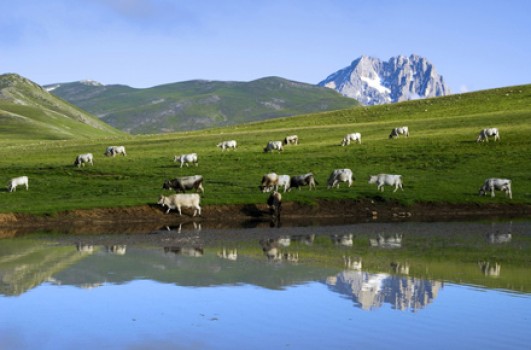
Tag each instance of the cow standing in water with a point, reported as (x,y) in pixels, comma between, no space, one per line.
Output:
(275,202)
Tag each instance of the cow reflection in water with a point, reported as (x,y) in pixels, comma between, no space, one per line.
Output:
(352,264)
(117,249)
(85,248)
(400,268)
(490,269)
(499,238)
(195,252)
(389,242)
(271,248)
(344,240)
(228,254)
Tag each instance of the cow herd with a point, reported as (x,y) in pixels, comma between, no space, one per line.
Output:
(272,181)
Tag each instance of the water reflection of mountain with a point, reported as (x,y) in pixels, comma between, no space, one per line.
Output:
(371,291)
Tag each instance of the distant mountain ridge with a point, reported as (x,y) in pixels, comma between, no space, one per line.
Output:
(27,111)
(198,104)
(372,81)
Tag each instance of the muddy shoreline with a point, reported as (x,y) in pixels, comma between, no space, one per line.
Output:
(149,218)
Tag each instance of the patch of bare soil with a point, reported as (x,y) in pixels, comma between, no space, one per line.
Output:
(150,218)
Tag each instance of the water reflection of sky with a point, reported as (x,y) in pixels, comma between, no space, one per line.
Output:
(361,286)
(145,315)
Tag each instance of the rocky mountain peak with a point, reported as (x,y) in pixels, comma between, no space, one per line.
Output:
(372,81)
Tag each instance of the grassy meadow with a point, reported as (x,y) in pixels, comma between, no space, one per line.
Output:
(440,161)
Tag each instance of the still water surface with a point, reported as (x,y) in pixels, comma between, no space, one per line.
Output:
(370,286)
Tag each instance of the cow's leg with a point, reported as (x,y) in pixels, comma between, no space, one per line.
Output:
(168,211)
(179,209)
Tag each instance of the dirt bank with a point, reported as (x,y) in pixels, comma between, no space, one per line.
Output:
(149,218)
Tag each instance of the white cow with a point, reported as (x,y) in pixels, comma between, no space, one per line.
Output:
(187,159)
(284,181)
(84,158)
(489,132)
(496,184)
(228,144)
(273,146)
(386,179)
(356,136)
(340,175)
(404,130)
(112,151)
(291,140)
(17,181)
(176,201)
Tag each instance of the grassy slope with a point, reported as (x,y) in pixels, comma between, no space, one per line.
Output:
(440,161)
(28,112)
(200,104)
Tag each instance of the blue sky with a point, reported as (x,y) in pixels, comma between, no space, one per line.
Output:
(475,45)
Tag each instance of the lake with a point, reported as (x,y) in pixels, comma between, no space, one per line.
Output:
(429,285)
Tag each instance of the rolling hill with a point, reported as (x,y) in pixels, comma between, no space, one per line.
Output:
(198,104)
(29,112)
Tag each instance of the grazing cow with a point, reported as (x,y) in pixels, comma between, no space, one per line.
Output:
(181,184)
(356,136)
(399,131)
(489,132)
(340,175)
(176,201)
(275,202)
(17,181)
(299,181)
(269,181)
(273,146)
(187,159)
(84,158)
(496,184)
(283,181)
(386,179)
(228,144)
(291,140)
(112,151)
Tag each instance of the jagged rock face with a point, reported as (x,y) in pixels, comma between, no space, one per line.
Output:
(372,81)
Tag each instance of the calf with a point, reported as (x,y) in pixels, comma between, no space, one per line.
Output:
(496,184)
(190,158)
(386,179)
(17,181)
(302,180)
(340,175)
(176,201)
(181,184)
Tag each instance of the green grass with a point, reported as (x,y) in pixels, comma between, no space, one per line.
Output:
(440,161)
